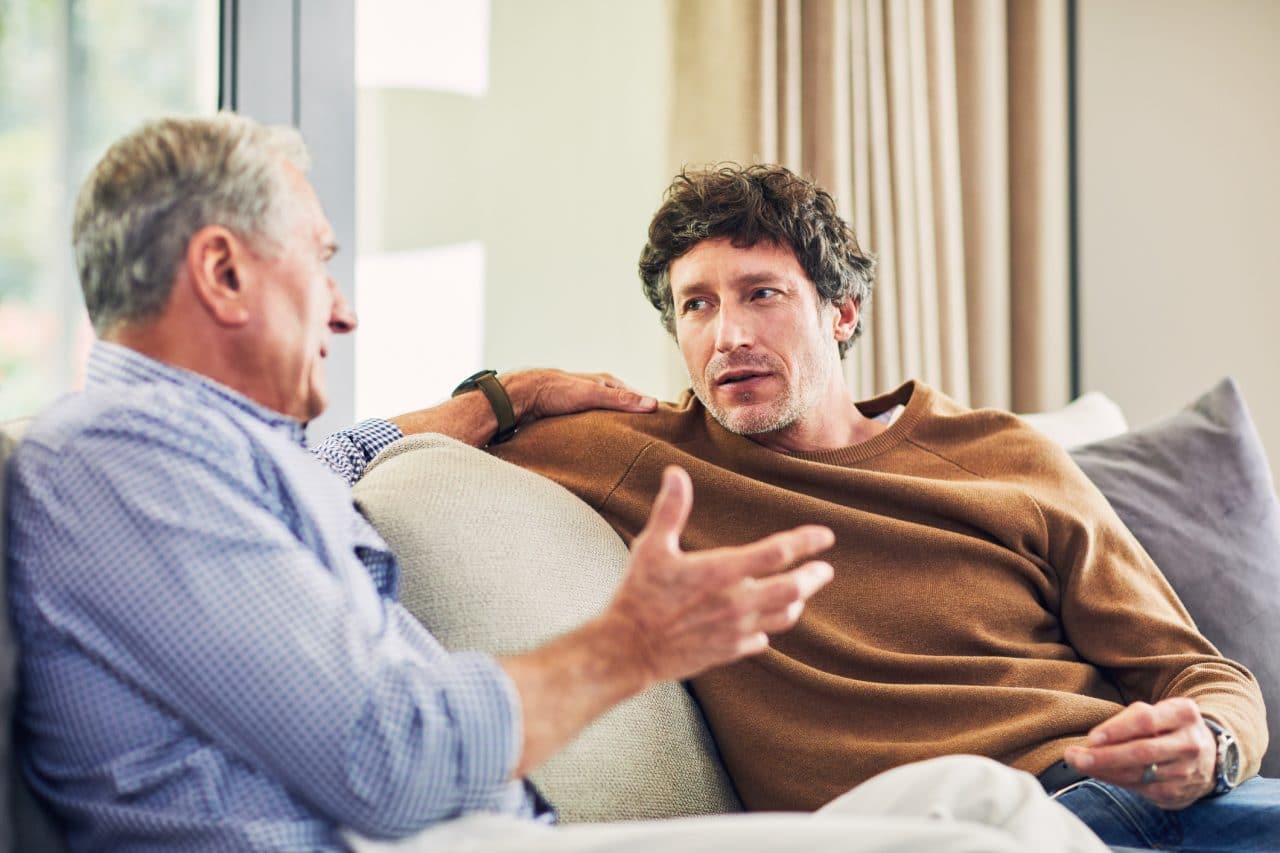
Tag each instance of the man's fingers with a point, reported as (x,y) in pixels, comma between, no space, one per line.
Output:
(773,553)
(626,400)
(770,605)
(777,621)
(556,392)
(1141,720)
(607,392)
(752,644)
(797,585)
(670,509)
(781,599)
(1172,766)
(1123,763)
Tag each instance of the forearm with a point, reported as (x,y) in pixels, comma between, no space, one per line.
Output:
(534,394)
(567,683)
(468,417)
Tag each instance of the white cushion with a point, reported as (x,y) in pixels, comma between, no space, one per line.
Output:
(1088,418)
(500,559)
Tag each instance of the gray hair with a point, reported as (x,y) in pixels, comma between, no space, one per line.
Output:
(155,188)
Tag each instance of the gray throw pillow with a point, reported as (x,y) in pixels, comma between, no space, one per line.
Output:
(500,559)
(1196,491)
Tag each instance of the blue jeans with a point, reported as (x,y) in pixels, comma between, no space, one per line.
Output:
(1246,819)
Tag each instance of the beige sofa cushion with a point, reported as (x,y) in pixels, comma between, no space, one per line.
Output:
(500,559)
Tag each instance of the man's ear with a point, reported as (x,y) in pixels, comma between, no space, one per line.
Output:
(846,317)
(217,262)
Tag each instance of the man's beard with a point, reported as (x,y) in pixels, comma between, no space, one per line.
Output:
(792,403)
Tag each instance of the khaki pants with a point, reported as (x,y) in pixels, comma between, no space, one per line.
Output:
(956,804)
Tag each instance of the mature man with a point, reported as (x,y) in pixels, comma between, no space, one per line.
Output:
(212,657)
(986,598)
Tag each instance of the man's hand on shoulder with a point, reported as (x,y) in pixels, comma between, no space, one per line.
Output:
(1164,751)
(534,394)
(544,393)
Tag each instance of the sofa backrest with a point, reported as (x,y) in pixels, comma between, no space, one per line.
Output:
(24,826)
(497,558)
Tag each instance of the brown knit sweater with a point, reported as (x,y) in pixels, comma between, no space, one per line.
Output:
(986,598)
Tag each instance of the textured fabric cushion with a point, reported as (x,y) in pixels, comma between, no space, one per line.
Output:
(500,559)
(1090,417)
(1196,491)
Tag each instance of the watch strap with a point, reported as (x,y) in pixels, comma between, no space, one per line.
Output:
(487,382)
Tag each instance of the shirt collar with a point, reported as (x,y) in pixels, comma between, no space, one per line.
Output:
(112,364)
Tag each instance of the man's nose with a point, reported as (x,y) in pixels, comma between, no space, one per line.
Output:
(342,318)
(732,330)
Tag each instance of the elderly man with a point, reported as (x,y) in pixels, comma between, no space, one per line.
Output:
(986,599)
(212,655)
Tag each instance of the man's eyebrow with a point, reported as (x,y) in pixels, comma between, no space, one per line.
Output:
(746,279)
(759,277)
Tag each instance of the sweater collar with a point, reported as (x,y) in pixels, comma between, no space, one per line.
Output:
(915,396)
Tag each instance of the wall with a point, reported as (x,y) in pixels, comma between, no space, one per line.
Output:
(557,170)
(1179,182)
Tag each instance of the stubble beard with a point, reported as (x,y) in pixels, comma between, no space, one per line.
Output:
(793,402)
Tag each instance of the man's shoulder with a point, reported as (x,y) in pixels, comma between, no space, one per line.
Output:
(592,450)
(670,422)
(156,415)
(986,441)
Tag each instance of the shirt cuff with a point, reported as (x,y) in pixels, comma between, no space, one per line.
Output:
(374,435)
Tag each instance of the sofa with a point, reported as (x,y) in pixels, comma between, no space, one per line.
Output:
(498,558)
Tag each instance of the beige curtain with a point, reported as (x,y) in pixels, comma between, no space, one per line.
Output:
(940,128)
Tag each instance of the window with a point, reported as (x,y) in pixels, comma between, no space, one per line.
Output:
(74,76)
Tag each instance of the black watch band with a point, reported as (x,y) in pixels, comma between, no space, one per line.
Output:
(487,382)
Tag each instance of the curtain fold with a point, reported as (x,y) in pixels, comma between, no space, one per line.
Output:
(940,128)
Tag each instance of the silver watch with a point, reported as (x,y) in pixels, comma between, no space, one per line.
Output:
(1227,769)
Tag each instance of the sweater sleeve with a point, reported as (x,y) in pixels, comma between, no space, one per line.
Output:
(1120,613)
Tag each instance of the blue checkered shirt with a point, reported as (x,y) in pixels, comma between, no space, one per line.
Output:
(212,657)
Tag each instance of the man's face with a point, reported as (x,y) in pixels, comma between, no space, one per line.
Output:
(760,349)
(298,307)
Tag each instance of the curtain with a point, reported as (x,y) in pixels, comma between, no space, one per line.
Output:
(940,127)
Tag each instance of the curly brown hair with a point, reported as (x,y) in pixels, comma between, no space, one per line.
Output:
(750,204)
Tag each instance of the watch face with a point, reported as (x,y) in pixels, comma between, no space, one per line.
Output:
(1231,763)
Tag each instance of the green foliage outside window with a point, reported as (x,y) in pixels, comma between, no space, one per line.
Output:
(74,75)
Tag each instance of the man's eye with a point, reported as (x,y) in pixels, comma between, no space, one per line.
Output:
(763,293)
(693,305)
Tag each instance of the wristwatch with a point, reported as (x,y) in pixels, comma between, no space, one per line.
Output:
(487,382)
(1227,768)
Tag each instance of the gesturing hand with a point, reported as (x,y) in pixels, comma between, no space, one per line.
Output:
(1169,738)
(691,611)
